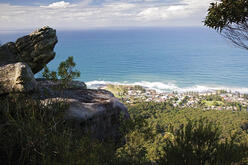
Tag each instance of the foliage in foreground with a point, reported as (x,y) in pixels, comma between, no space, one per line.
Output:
(156,134)
(35,134)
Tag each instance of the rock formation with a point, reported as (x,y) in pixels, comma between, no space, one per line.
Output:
(36,49)
(95,111)
(33,51)
(16,77)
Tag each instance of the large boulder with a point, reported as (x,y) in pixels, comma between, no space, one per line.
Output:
(96,112)
(36,49)
(16,77)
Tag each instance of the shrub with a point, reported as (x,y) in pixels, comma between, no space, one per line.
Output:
(199,143)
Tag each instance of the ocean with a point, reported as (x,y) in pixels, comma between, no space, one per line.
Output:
(165,59)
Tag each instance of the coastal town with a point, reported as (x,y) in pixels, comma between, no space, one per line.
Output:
(209,100)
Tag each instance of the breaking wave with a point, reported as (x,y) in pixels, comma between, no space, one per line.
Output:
(168,87)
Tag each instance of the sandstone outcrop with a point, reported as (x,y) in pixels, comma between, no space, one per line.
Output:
(36,49)
(97,112)
(16,77)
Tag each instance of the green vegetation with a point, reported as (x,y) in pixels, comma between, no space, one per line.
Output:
(117,90)
(157,133)
(162,134)
(213,103)
(49,75)
(230,18)
(32,133)
(121,90)
(66,72)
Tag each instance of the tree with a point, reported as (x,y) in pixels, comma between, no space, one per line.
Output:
(66,72)
(230,18)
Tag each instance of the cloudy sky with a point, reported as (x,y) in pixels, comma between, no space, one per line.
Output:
(87,14)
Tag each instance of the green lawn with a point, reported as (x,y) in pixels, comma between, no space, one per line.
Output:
(213,103)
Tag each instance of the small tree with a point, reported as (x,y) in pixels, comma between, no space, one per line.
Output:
(66,72)
(230,18)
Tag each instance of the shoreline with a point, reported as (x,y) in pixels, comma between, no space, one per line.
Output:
(208,100)
(161,87)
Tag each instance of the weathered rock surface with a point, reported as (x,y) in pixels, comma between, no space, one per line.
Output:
(16,77)
(9,54)
(36,49)
(57,84)
(94,111)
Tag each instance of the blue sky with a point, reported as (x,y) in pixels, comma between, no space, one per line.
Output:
(89,14)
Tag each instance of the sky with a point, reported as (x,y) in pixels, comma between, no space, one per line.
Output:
(90,14)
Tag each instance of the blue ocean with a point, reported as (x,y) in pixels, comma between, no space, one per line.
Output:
(166,59)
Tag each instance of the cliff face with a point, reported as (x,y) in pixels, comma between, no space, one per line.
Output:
(93,111)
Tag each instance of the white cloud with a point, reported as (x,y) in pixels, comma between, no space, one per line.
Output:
(57,5)
(120,13)
(185,9)
(120,6)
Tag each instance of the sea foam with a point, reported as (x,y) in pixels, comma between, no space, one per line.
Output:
(168,87)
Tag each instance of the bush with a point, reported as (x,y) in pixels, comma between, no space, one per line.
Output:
(199,143)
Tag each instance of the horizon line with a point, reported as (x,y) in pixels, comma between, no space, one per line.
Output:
(99,28)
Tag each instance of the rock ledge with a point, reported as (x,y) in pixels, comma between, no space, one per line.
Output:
(94,111)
